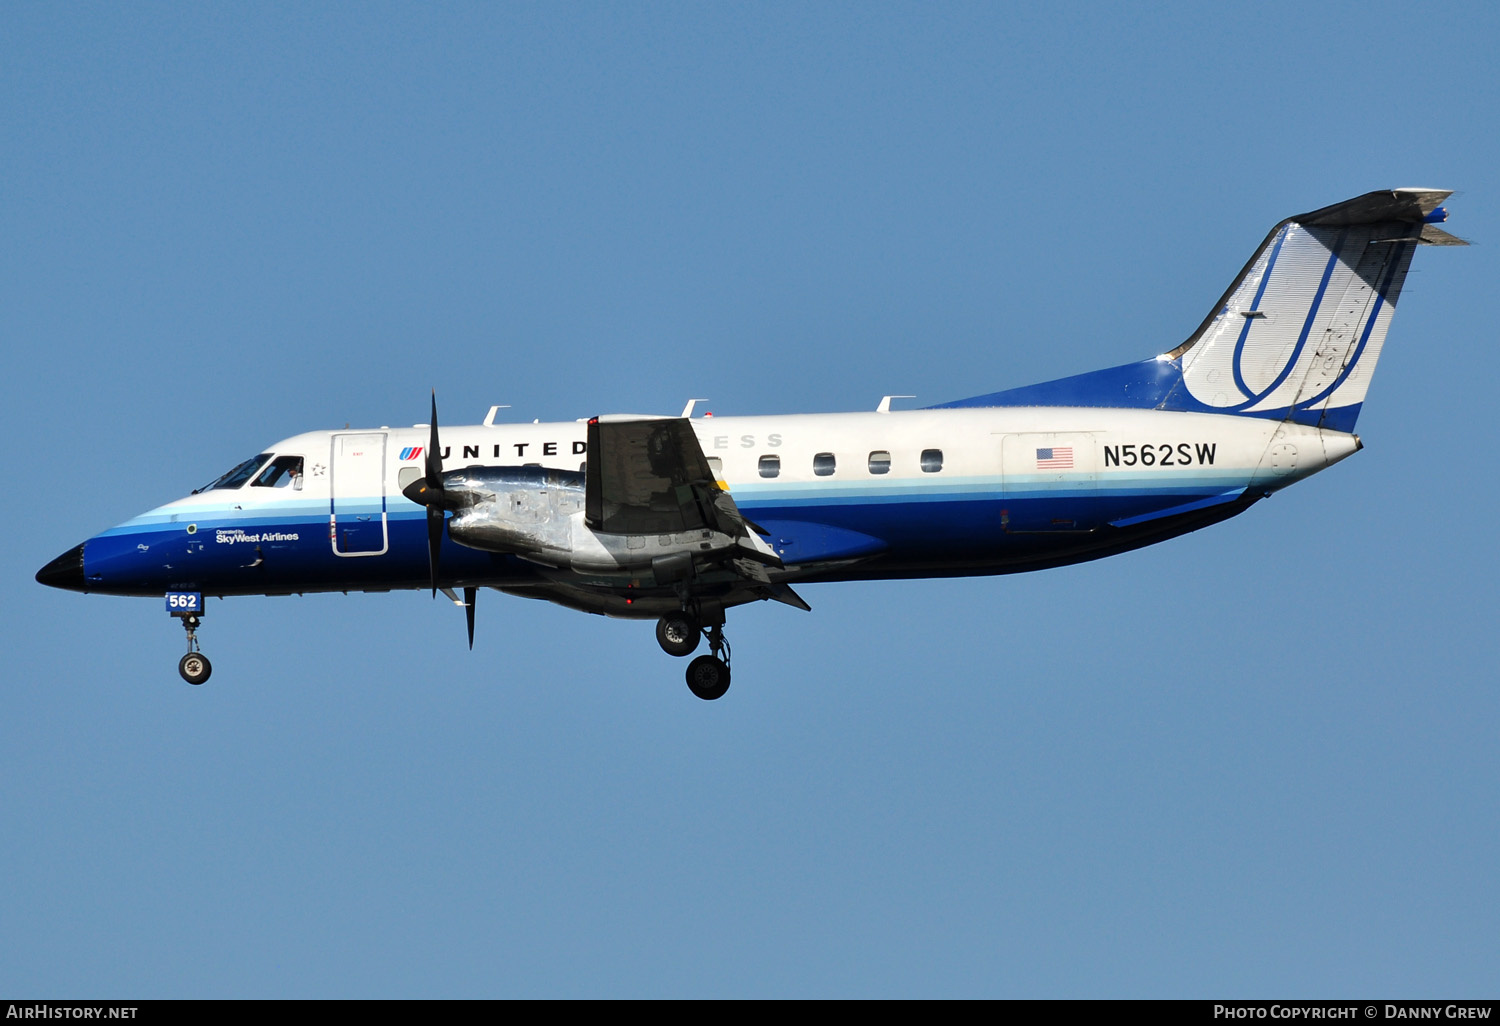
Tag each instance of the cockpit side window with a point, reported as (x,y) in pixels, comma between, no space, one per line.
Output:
(239,475)
(284,472)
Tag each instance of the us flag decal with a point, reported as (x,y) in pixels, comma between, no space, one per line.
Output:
(1059,457)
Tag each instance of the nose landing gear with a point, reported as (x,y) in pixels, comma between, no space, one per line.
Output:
(194,666)
(186,606)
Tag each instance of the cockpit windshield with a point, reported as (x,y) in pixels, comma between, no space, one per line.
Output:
(239,475)
(284,471)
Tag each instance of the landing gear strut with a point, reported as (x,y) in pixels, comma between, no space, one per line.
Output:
(708,675)
(194,666)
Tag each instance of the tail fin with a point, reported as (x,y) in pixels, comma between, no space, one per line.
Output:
(1296,336)
(1299,332)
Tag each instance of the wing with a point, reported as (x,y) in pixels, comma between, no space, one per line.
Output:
(650,477)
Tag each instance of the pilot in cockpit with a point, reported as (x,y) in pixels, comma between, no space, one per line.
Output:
(282,472)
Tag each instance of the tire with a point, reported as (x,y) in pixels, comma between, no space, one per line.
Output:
(708,677)
(678,634)
(195,667)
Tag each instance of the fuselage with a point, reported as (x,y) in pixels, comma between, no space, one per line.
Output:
(938,492)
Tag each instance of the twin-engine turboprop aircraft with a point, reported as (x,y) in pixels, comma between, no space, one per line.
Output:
(679,519)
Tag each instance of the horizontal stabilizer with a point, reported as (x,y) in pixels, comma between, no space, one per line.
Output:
(1414,206)
(1432,235)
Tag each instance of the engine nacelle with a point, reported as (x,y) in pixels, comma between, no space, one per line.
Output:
(527,511)
(538,514)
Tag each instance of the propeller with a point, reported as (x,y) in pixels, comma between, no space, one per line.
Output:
(428,491)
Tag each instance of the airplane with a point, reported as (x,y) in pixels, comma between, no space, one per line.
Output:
(680,519)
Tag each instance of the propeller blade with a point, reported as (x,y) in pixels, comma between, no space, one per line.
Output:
(434,466)
(470,594)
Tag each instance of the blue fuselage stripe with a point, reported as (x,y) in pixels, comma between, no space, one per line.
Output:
(276,549)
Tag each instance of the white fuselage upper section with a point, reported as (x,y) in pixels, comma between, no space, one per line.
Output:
(812,457)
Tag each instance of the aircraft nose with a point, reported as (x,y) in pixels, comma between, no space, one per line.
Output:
(66,571)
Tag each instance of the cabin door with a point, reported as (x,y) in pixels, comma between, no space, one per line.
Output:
(356,517)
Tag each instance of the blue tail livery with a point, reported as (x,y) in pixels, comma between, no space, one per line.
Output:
(1298,333)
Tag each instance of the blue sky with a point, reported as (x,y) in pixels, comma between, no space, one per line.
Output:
(1256,761)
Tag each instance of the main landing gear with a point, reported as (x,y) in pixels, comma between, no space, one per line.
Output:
(678,634)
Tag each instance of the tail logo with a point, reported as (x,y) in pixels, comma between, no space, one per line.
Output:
(1295,332)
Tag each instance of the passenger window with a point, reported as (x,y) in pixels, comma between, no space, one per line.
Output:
(880,462)
(770,466)
(823,464)
(717,466)
(284,471)
(932,461)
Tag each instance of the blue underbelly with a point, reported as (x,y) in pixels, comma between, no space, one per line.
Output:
(248,554)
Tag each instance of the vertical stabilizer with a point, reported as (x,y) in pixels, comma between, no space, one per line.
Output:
(1297,335)
(1300,331)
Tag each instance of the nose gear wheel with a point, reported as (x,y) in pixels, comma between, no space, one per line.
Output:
(195,667)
